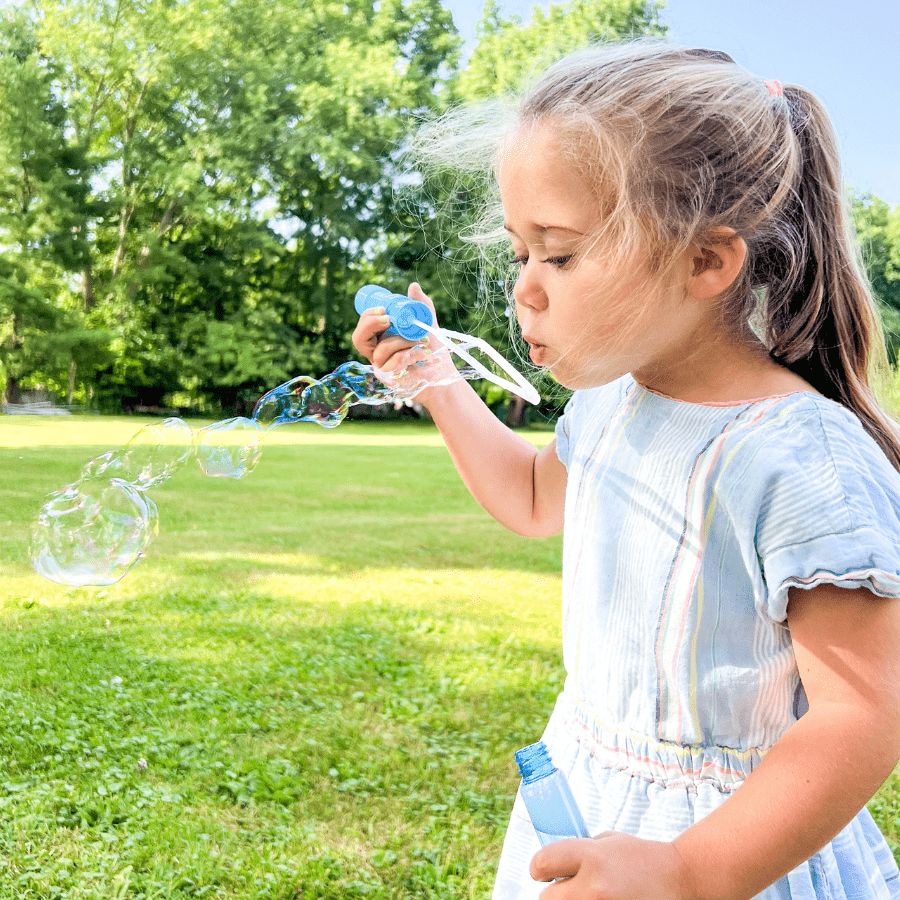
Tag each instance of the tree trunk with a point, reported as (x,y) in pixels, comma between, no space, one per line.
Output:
(515,412)
(72,370)
(87,288)
(13,391)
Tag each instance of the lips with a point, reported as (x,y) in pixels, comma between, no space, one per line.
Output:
(536,352)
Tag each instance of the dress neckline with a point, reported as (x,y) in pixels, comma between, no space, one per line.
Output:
(720,404)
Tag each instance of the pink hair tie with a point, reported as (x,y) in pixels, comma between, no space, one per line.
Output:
(774,88)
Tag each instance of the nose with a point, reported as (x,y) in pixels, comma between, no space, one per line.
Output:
(527,290)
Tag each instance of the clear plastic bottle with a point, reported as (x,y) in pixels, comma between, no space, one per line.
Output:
(548,797)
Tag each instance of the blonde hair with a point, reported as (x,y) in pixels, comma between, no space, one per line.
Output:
(680,144)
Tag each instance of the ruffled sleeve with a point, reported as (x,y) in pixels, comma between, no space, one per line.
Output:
(828,510)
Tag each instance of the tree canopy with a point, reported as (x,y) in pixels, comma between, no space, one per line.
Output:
(191,191)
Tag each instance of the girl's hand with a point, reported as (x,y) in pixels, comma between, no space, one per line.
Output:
(612,866)
(389,353)
(406,367)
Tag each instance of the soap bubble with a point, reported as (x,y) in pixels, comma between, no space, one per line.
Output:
(92,532)
(154,454)
(231,448)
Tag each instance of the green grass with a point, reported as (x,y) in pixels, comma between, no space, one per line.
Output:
(325,666)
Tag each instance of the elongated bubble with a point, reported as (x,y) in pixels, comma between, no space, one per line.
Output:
(231,448)
(154,454)
(325,402)
(93,531)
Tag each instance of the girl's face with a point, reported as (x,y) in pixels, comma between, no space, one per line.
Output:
(586,324)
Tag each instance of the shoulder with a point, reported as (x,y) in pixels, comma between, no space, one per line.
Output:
(807,437)
(587,413)
(818,499)
(804,466)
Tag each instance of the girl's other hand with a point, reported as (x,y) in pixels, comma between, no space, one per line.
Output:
(612,866)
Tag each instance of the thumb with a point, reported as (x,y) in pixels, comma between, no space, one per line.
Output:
(415,292)
(561,859)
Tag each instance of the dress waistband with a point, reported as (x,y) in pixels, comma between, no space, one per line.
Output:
(665,763)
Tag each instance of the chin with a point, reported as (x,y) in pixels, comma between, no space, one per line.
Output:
(582,381)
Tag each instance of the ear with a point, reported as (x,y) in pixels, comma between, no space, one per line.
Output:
(715,264)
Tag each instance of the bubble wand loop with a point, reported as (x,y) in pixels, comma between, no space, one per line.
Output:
(460,345)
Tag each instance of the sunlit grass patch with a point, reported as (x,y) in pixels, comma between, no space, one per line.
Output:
(311,687)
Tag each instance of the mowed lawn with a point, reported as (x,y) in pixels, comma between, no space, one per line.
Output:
(312,687)
(326,667)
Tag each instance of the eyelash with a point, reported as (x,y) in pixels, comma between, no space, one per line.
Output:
(559,261)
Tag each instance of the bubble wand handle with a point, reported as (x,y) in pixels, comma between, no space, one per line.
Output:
(406,315)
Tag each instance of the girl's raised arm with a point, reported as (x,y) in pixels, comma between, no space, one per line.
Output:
(522,487)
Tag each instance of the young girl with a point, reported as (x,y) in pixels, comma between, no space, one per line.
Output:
(727,484)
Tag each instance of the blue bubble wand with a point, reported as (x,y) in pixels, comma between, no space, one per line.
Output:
(413,320)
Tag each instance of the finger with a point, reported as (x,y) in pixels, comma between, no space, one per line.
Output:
(372,323)
(561,859)
(415,292)
(394,352)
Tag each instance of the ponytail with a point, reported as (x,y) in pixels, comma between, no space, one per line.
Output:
(820,318)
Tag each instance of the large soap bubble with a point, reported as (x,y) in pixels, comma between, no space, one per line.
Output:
(92,532)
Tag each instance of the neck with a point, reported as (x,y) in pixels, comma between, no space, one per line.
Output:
(729,371)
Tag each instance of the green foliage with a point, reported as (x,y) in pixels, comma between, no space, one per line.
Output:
(509,51)
(242,159)
(878,229)
(193,190)
(43,219)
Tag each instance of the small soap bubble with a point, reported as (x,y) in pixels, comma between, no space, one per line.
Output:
(231,448)
(92,532)
(283,403)
(364,383)
(326,402)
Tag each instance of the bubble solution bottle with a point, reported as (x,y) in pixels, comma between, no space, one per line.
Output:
(548,797)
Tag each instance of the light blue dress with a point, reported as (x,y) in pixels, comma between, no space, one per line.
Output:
(685,526)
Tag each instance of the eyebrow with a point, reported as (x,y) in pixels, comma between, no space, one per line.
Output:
(544,228)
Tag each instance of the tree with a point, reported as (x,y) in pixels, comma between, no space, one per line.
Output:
(241,140)
(509,51)
(43,216)
(878,230)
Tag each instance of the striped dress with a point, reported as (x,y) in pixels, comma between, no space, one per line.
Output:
(685,526)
